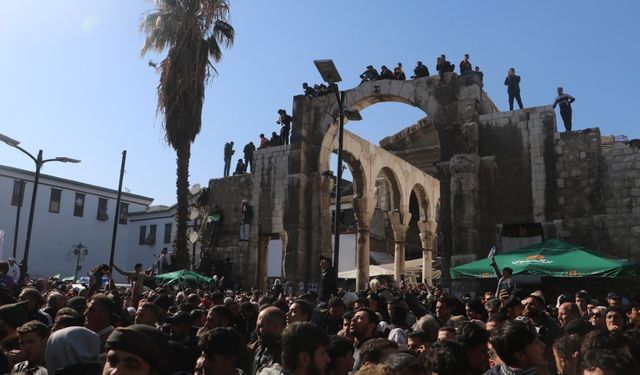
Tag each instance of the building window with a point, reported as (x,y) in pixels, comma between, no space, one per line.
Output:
(102,209)
(167,232)
(124,213)
(54,202)
(78,205)
(151,238)
(143,235)
(18,193)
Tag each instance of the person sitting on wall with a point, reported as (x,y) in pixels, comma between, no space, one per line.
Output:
(420,70)
(385,73)
(398,73)
(275,140)
(309,91)
(241,168)
(443,66)
(371,74)
(264,142)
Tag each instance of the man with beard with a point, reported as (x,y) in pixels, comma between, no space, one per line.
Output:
(545,326)
(269,326)
(33,337)
(222,352)
(304,349)
(363,327)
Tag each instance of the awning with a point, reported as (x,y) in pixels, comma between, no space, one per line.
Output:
(551,258)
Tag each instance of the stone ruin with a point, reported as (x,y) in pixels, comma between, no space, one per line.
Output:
(463,179)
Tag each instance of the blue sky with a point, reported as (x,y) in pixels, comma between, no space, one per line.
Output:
(73,83)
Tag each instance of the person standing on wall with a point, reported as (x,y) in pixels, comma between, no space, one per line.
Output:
(285,126)
(228,153)
(564,100)
(245,220)
(248,150)
(513,88)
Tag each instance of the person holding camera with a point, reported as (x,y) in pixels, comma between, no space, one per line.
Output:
(513,88)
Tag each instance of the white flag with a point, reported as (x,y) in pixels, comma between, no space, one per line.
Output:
(492,252)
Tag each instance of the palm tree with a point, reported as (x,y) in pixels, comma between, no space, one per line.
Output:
(193,31)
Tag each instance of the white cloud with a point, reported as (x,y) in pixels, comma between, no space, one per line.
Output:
(89,23)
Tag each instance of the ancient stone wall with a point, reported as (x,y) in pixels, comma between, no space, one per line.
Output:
(599,193)
(265,190)
(228,193)
(522,144)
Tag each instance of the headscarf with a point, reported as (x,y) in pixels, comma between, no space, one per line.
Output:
(72,346)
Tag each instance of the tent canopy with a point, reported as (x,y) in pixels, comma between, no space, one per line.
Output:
(185,277)
(373,271)
(413,266)
(551,258)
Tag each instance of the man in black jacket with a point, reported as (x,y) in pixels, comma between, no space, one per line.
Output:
(565,101)
(266,351)
(328,286)
(513,88)
(248,150)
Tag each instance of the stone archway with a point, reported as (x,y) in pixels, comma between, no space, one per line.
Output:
(452,104)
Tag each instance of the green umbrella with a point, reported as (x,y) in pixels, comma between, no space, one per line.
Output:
(184,277)
(551,258)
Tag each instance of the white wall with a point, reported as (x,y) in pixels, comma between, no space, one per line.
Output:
(55,234)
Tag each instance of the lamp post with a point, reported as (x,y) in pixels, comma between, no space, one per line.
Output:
(39,162)
(79,250)
(330,75)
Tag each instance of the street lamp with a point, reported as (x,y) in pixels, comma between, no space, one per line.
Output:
(39,162)
(79,250)
(331,76)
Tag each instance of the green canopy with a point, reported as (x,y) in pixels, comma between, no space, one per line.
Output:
(182,277)
(551,258)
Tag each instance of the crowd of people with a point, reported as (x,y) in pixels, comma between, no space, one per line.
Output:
(49,326)
(512,81)
(442,66)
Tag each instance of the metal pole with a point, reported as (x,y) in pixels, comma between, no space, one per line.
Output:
(77,251)
(25,259)
(336,246)
(116,220)
(20,201)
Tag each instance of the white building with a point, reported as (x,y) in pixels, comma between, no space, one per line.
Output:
(68,213)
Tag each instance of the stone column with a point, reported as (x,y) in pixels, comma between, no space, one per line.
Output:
(427,239)
(362,256)
(362,218)
(263,258)
(465,204)
(399,228)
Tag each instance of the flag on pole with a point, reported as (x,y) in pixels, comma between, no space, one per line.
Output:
(492,252)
